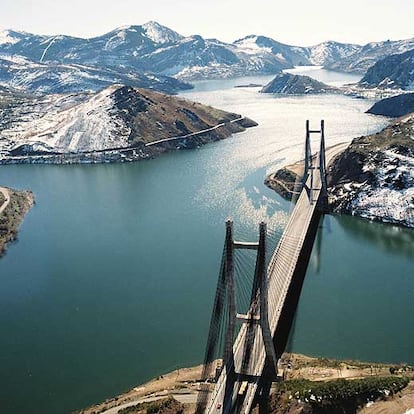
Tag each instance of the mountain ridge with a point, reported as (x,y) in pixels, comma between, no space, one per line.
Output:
(152,47)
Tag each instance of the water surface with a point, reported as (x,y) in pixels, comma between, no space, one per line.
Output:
(112,279)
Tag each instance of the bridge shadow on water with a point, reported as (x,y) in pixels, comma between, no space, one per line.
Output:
(356,301)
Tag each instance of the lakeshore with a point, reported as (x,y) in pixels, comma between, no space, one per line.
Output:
(182,385)
(89,257)
(371,178)
(13,207)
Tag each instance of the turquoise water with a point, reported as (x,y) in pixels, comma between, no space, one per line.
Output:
(112,279)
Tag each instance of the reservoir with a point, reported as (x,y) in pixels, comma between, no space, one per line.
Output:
(112,279)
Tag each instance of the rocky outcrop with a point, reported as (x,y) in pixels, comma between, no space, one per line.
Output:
(284,181)
(374,177)
(392,72)
(395,106)
(286,83)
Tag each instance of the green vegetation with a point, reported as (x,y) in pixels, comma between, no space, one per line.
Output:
(337,396)
(12,216)
(165,406)
(337,363)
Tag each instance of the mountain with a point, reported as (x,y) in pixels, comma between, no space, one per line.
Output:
(368,55)
(327,53)
(25,75)
(395,106)
(152,48)
(289,84)
(265,46)
(109,125)
(118,47)
(395,72)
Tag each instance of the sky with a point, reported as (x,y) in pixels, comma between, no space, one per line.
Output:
(295,22)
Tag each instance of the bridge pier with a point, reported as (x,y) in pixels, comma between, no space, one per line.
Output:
(311,164)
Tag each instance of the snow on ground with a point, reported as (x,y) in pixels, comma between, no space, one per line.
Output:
(7,38)
(160,34)
(249,46)
(70,125)
(392,199)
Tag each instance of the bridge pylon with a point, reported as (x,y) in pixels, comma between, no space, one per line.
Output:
(316,162)
(224,319)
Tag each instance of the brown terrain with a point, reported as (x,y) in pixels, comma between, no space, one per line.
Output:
(13,207)
(154,116)
(182,385)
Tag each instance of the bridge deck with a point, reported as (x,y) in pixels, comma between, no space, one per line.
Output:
(280,272)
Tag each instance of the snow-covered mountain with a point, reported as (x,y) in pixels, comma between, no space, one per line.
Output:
(25,75)
(368,55)
(153,48)
(268,48)
(327,53)
(392,72)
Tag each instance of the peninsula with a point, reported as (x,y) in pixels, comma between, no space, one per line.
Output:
(117,124)
(13,207)
(373,178)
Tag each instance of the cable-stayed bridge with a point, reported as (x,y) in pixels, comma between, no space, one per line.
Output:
(243,348)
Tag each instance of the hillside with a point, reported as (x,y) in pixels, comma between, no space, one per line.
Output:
(395,106)
(395,71)
(288,84)
(374,177)
(118,123)
(25,75)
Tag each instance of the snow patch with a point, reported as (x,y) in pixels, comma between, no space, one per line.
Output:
(392,198)
(249,46)
(160,34)
(7,39)
(72,123)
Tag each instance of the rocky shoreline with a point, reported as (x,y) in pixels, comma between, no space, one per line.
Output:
(18,204)
(137,152)
(373,178)
(182,386)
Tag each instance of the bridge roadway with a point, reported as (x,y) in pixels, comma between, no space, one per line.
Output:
(280,272)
